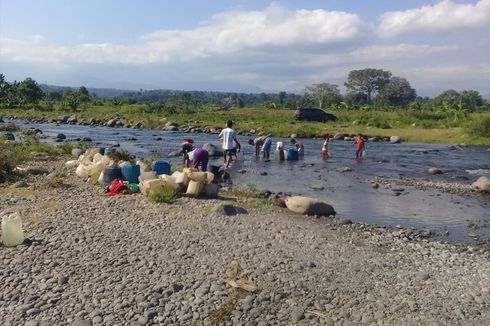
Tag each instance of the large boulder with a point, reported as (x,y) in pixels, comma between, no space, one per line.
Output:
(170,128)
(395,140)
(309,206)
(76,152)
(111,123)
(482,184)
(212,150)
(339,136)
(72,119)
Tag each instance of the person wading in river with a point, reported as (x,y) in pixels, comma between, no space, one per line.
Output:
(227,136)
(359,145)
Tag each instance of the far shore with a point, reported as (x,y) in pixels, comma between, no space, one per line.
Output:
(252,122)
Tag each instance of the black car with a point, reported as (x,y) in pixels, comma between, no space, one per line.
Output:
(312,114)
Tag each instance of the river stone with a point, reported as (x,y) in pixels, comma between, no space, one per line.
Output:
(297,314)
(309,206)
(228,210)
(20,184)
(60,136)
(344,169)
(170,128)
(111,123)
(434,171)
(210,148)
(339,136)
(37,170)
(8,136)
(76,152)
(72,119)
(482,184)
(395,140)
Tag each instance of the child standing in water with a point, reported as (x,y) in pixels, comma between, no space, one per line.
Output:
(359,145)
(325,148)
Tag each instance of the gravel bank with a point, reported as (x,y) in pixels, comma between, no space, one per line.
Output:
(121,260)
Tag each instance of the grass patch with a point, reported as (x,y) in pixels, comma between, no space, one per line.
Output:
(246,191)
(164,195)
(260,204)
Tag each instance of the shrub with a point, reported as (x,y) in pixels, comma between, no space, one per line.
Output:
(9,159)
(480,127)
(164,195)
(12,127)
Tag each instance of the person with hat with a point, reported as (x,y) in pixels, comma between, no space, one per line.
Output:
(227,136)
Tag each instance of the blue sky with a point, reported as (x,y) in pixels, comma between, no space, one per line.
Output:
(248,46)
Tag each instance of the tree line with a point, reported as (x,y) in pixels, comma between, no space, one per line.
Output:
(366,89)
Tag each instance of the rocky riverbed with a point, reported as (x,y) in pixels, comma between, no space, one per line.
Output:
(97,260)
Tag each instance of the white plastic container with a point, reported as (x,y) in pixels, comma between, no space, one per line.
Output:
(12,232)
(147,176)
(151,185)
(181,179)
(82,171)
(206,177)
(194,188)
(97,158)
(169,180)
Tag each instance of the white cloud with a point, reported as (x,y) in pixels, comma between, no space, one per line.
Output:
(225,33)
(443,16)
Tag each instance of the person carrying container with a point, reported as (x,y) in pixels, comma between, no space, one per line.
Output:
(325,148)
(227,136)
(359,145)
(300,148)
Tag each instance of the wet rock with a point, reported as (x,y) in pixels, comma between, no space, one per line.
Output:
(482,184)
(8,136)
(339,136)
(343,169)
(60,136)
(395,140)
(309,206)
(375,185)
(111,123)
(317,187)
(170,128)
(434,171)
(279,201)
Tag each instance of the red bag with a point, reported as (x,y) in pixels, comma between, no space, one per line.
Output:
(116,186)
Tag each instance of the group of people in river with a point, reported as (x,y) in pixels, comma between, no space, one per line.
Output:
(199,157)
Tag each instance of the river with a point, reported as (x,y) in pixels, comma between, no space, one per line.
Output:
(452,217)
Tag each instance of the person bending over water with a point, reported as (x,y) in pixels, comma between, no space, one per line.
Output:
(300,148)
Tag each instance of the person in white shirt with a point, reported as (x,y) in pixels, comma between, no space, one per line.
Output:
(227,136)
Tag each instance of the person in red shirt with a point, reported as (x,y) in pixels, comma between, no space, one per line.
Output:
(359,145)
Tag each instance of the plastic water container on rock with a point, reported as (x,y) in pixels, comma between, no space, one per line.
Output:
(147,176)
(170,181)
(143,167)
(194,188)
(161,167)
(292,154)
(131,172)
(181,178)
(201,176)
(82,171)
(12,232)
(72,163)
(190,170)
(111,173)
(151,185)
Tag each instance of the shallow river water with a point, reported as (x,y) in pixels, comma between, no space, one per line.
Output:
(452,217)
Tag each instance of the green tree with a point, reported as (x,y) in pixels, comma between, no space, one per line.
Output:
(367,81)
(397,92)
(83,94)
(450,97)
(281,97)
(471,100)
(29,91)
(324,94)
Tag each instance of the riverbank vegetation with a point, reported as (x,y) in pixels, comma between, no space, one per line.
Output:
(377,104)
